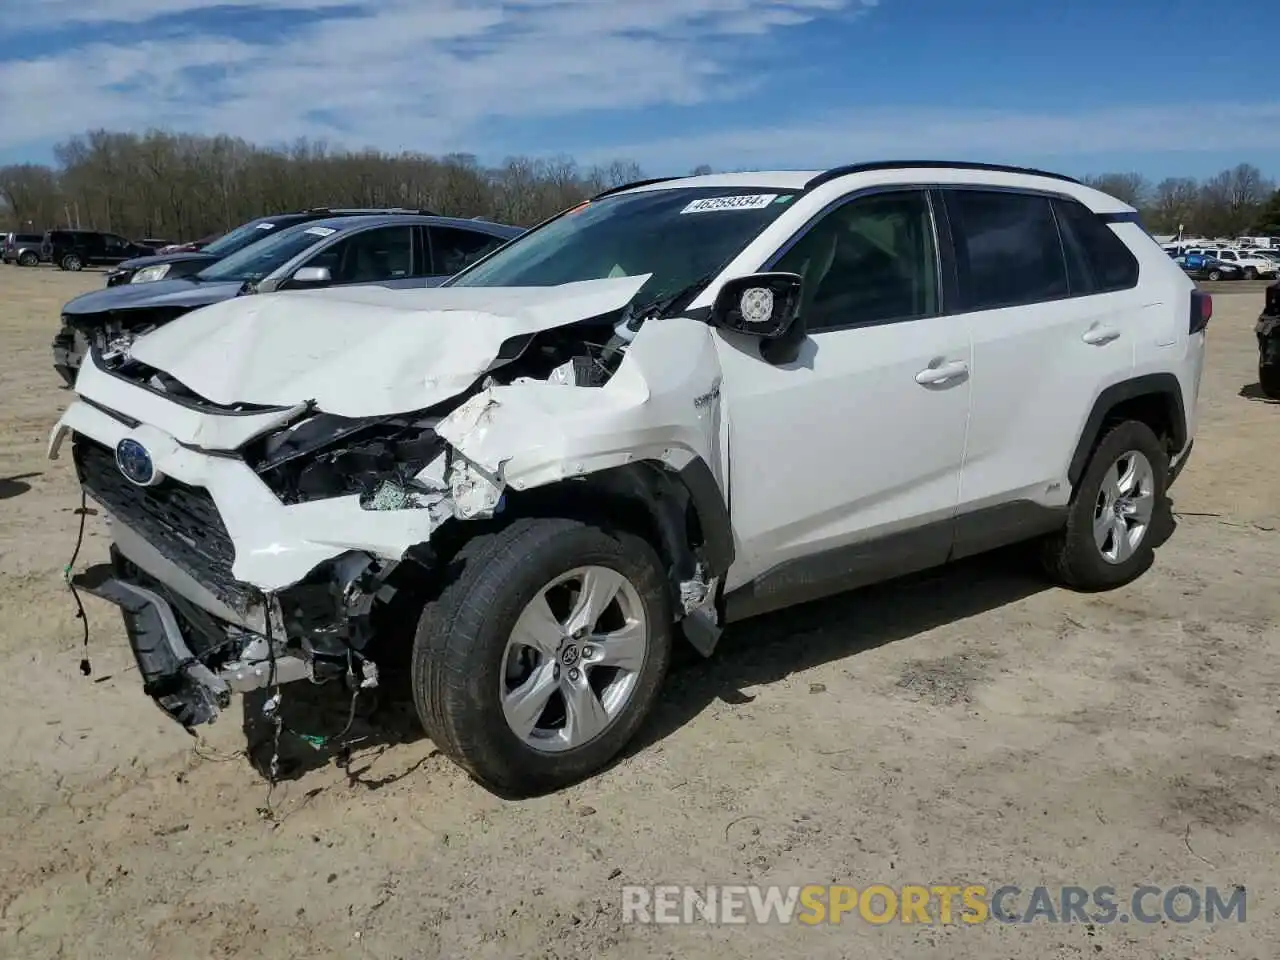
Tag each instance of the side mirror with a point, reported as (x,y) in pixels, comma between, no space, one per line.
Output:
(764,305)
(312,275)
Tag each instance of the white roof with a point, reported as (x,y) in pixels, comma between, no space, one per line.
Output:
(1095,200)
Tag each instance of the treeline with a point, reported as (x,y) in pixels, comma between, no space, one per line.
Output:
(1239,201)
(181,187)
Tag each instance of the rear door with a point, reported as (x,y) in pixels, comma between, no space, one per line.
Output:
(1044,336)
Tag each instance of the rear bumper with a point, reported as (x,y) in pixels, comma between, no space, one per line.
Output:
(1268,332)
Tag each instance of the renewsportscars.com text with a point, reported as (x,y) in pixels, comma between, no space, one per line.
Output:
(930,904)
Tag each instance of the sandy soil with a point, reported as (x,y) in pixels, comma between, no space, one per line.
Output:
(970,726)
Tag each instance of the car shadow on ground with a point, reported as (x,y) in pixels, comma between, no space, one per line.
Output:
(15,486)
(770,648)
(1253,391)
(759,651)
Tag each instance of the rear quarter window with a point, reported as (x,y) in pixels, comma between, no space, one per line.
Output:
(1109,263)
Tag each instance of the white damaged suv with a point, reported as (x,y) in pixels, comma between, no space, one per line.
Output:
(680,404)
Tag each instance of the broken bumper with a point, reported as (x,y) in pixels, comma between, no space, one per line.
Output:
(207,563)
(190,661)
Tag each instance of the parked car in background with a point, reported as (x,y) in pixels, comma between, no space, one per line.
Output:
(76,249)
(393,249)
(1268,332)
(1199,267)
(21,248)
(183,263)
(1251,265)
(190,247)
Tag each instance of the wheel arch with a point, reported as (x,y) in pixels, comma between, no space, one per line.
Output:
(682,513)
(1154,399)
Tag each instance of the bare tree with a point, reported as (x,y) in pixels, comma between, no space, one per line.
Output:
(1132,188)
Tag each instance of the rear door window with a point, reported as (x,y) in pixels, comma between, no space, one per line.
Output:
(1007,247)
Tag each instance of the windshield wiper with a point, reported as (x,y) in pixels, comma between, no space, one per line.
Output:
(667,303)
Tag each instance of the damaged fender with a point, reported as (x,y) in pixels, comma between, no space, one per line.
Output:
(662,406)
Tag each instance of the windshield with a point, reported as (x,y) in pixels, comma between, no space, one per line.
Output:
(257,260)
(680,236)
(241,237)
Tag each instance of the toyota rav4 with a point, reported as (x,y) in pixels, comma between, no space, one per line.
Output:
(680,404)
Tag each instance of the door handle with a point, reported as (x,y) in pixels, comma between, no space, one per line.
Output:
(1100,335)
(942,373)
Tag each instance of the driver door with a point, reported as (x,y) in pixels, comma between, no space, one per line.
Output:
(844,466)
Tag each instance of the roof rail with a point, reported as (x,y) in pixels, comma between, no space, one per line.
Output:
(632,185)
(844,171)
(356,211)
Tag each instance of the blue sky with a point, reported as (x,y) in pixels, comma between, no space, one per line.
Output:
(1166,87)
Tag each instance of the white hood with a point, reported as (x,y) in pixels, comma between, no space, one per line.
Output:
(363,351)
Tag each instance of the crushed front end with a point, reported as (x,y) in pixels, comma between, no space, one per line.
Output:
(203,622)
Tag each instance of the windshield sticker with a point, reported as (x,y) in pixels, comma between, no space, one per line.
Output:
(320,231)
(785,198)
(752,201)
(265,226)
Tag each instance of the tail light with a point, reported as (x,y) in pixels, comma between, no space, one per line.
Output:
(1201,310)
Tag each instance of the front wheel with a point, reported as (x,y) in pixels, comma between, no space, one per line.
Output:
(544,654)
(1250,273)
(1118,505)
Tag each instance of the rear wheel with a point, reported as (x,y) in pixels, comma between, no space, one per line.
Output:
(1215,274)
(71,262)
(1269,379)
(28,259)
(1109,540)
(543,655)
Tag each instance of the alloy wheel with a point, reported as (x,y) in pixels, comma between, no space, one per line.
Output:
(573,660)
(1125,504)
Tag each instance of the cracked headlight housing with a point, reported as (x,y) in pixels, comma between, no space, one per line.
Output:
(327,456)
(151,274)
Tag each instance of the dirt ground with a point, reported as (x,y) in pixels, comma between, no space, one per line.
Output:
(970,726)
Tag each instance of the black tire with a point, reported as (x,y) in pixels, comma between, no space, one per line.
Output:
(462,637)
(28,259)
(1071,557)
(1269,379)
(71,262)
(1250,273)
(1215,274)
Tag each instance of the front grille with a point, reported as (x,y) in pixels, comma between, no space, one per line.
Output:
(181,522)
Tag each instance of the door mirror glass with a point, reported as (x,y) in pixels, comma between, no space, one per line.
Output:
(763,304)
(312,275)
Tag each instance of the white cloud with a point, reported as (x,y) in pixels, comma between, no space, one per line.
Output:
(441,75)
(419,74)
